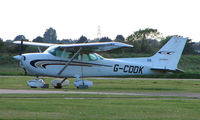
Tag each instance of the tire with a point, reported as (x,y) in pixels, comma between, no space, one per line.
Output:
(59,86)
(33,87)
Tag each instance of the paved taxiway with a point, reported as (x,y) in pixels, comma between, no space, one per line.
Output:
(189,95)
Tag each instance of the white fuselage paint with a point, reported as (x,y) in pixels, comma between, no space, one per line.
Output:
(45,64)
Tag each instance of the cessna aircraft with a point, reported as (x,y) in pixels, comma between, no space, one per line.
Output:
(80,60)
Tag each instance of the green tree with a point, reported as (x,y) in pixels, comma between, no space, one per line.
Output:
(20,37)
(2,45)
(119,38)
(50,36)
(165,40)
(143,38)
(38,39)
(82,39)
(189,49)
(12,48)
(105,39)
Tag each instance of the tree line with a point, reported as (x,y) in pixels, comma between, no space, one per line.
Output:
(146,41)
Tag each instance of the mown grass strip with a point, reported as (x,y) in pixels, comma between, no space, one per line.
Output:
(98,109)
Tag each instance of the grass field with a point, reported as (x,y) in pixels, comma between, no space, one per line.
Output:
(112,85)
(98,109)
(103,107)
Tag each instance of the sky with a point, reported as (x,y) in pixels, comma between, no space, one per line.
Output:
(74,18)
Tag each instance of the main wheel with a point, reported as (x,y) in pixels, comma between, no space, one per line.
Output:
(33,87)
(59,86)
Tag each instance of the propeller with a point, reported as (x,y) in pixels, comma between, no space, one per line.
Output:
(21,46)
(20,57)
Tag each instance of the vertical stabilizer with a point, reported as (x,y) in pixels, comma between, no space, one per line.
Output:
(169,55)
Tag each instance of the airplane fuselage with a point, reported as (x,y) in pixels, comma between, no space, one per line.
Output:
(45,64)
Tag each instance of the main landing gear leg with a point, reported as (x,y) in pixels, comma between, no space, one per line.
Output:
(59,85)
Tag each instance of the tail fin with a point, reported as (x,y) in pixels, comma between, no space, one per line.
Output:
(168,56)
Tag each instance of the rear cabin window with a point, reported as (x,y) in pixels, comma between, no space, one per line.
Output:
(60,52)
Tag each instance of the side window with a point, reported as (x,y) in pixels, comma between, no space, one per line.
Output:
(66,54)
(70,55)
(59,52)
(93,57)
(85,57)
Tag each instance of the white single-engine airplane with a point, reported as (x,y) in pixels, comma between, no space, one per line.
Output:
(80,60)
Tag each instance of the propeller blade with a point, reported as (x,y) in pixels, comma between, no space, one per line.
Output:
(21,47)
(20,57)
(25,73)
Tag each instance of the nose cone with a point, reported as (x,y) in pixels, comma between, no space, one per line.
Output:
(17,57)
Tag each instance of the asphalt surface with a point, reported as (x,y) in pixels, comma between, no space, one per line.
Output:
(189,95)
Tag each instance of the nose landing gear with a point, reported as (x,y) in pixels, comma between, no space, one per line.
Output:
(37,83)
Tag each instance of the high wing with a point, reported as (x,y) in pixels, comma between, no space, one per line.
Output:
(102,46)
(35,44)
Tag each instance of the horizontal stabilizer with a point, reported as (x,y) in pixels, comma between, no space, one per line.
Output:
(168,70)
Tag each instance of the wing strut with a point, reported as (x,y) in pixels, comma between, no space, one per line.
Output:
(75,55)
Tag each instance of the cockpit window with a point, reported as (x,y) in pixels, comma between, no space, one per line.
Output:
(60,52)
(55,51)
(99,56)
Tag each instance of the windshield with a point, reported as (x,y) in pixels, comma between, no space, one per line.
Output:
(61,52)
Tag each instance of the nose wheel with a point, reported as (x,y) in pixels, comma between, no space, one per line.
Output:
(37,83)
